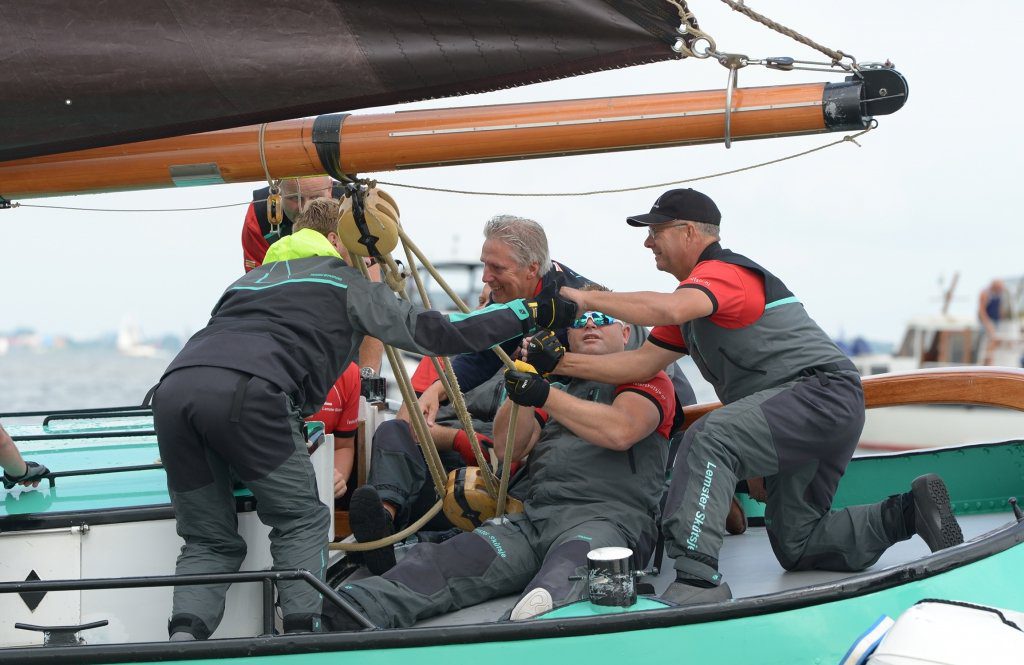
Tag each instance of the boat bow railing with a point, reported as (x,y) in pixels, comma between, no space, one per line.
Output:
(982,386)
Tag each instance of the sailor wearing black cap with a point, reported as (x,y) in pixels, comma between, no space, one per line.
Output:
(793,413)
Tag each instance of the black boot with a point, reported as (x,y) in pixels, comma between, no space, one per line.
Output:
(370,521)
(933,514)
(695,592)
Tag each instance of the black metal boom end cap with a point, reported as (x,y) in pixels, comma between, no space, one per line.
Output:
(884,91)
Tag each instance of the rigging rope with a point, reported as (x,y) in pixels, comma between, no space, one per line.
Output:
(740,7)
(849,138)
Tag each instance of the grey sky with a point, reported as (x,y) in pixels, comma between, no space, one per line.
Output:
(861,235)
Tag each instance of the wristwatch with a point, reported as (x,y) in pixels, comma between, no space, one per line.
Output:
(367,373)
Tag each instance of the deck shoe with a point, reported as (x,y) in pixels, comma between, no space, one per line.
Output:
(181,625)
(370,521)
(681,593)
(536,601)
(933,514)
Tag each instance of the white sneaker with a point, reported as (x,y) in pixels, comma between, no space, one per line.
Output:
(537,601)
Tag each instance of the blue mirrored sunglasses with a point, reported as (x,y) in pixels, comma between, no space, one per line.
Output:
(600,320)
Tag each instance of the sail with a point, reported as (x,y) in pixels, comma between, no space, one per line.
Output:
(84,75)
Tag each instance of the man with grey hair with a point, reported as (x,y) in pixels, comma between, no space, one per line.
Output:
(517,264)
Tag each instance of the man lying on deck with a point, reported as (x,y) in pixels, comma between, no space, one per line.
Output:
(594,479)
(793,413)
(234,397)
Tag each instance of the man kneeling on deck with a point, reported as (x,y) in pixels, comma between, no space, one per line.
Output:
(594,479)
(233,398)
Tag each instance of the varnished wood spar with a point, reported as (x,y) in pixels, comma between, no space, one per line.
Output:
(382,142)
(450,136)
(984,386)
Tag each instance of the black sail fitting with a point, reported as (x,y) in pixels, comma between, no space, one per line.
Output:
(852,104)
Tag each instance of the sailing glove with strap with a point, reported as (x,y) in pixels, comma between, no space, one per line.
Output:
(33,474)
(544,351)
(552,313)
(525,386)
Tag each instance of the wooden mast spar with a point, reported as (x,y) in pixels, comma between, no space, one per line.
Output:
(343,143)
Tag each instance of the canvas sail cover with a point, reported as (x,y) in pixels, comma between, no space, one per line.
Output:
(78,75)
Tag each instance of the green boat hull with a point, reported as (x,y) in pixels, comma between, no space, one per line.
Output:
(808,624)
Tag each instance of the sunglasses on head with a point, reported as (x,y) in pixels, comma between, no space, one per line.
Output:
(600,319)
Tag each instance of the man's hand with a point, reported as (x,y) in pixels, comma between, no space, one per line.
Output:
(526,388)
(33,474)
(544,351)
(576,296)
(340,484)
(553,313)
(429,402)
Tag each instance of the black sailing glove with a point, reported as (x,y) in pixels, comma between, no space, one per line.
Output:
(526,388)
(552,313)
(544,350)
(33,472)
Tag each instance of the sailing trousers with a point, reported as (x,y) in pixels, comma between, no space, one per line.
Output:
(211,421)
(518,555)
(800,436)
(399,474)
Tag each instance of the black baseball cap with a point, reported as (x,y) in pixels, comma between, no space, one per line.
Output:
(685,204)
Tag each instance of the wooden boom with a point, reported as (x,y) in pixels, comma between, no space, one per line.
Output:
(343,143)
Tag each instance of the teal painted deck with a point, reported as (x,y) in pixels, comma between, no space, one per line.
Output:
(93,492)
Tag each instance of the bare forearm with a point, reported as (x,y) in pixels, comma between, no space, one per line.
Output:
(645,308)
(10,458)
(526,430)
(599,424)
(371,353)
(344,455)
(617,368)
(444,437)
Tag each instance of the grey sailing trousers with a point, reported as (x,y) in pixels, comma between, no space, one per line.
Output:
(494,560)
(211,421)
(800,436)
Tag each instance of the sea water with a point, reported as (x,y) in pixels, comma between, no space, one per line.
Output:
(82,379)
(72,379)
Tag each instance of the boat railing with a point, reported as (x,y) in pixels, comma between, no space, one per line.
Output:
(91,414)
(53,475)
(266,577)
